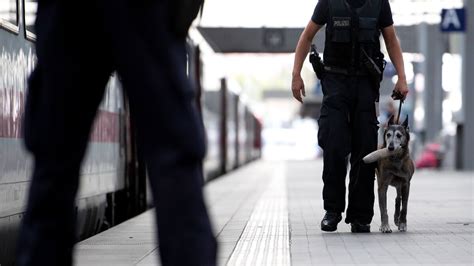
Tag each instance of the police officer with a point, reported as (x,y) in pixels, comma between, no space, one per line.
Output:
(79,44)
(348,121)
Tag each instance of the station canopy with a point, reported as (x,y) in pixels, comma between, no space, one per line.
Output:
(284,40)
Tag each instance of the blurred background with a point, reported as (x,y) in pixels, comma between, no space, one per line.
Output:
(252,48)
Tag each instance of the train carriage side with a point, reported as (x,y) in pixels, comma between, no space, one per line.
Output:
(16,62)
(249,129)
(257,138)
(211,113)
(243,134)
(231,136)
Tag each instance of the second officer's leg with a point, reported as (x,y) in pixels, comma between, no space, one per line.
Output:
(334,139)
(364,141)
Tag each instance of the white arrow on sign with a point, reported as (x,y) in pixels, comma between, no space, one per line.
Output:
(451,17)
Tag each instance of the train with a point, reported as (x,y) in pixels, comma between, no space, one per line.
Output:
(113,179)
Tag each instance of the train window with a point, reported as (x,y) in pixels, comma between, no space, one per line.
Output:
(30,16)
(9,15)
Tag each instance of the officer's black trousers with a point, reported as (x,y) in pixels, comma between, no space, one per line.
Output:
(79,44)
(348,132)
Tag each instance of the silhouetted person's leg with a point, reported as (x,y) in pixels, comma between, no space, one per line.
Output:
(63,95)
(151,63)
(73,68)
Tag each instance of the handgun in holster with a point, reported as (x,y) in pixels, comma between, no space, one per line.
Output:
(375,69)
(316,62)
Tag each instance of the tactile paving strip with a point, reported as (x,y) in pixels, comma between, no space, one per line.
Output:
(265,240)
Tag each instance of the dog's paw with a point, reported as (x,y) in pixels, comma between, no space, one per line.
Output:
(402,227)
(396,219)
(385,228)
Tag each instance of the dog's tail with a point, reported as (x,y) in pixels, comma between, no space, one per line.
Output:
(379,155)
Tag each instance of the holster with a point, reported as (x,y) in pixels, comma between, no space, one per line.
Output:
(316,62)
(375,67)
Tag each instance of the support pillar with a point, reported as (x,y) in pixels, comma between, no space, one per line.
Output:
(468,90)
(432,46)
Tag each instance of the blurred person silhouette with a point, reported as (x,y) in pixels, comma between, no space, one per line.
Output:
(350,78)
(79,44)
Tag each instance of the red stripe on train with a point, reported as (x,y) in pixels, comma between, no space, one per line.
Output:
(106,127)
(106,124)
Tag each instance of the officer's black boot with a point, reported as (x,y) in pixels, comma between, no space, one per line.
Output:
(330,221)
(357,227)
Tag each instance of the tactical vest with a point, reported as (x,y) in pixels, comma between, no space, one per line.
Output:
(349,30)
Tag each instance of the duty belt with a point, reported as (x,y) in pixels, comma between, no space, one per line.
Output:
(345,71)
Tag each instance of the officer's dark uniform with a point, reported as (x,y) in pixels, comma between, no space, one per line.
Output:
(79,44)
(348,122)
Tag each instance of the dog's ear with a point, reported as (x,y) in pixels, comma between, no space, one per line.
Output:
(405,123)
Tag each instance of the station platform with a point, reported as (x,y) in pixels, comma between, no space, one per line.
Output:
(268,213)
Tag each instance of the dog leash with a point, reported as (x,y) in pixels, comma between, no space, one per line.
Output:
(397,94)
(399,111)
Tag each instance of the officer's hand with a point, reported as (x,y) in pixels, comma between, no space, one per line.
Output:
(297,87)
(401,90)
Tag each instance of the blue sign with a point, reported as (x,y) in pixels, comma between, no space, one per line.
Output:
(453,20)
